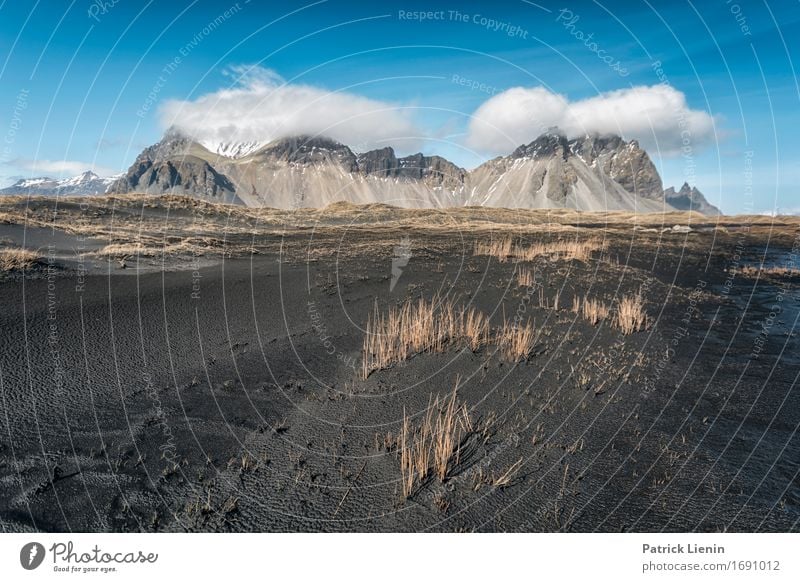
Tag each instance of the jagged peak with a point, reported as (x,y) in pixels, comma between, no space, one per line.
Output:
(547,144)
(303,141)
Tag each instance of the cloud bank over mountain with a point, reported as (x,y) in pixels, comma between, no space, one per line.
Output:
(260,107)
(657,116)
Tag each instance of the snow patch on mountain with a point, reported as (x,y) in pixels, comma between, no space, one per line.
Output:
(233,149)
(84,184)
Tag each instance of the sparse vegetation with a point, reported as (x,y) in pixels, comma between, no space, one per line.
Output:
(505,249)
(526,278)
(774,270)
(433,448)
(506,478)
(418,327)
(191,245)
(592,310)
(500,249)
(631,316)
(431,326)
(515,341)
(128,250)
(16,259)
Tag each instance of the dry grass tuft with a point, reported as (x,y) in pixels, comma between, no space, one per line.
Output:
(431,327)
(526,278)
(505,249)
(128,250)
(515,341)
(506,478)
(565,249)
(593,310)
(500,249)
(476,329)
(420,327)
(13,259)
(631,316)
(433,448)
(775,271)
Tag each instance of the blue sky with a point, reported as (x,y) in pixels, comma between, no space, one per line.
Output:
(88,84)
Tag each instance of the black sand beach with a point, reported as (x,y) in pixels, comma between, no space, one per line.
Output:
(222,390)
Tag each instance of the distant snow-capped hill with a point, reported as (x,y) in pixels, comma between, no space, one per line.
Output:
(84,184)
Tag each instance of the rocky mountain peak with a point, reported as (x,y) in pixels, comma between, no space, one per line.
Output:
(309,150)
(433,170)
(381,162)
(623,161)
(690,198)
(552,143)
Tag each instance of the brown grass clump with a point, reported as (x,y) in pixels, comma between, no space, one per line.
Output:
(567,249)
(476,329)
(423,326)
(13,259)
(433,448)
(420,327)
(776,271)
(631,316)
(592,310)
(128,250)
(526,278)
(515,341)
(500,249)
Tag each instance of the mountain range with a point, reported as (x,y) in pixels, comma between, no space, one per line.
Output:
(84,184)
(690,198)
(590,173)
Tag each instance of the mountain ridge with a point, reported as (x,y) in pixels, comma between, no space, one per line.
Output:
(84,184)
(588,173)
(690,198)
(591,172)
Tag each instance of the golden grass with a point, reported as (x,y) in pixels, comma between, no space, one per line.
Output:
(190,245)
(500,249)
(526,278)
(432,326)
(433,448)
(592,310)
(515,341)
(566,249)
(419,327)
(776,271)
(476,329)
(545,303)
(631,316)
(505,249)
(13,259)
(128,250)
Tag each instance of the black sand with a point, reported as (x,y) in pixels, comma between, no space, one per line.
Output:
(130,398)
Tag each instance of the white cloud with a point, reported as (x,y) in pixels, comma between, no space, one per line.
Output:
(260,107)
(658,116)
(58,168)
